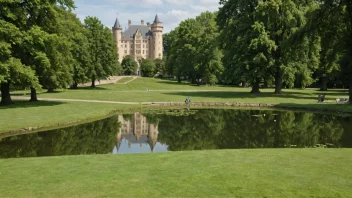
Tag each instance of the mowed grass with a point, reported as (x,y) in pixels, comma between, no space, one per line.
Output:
(124,80)
(157,90)
(50,114)
(222,173)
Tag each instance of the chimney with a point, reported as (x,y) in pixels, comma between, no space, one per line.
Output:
(129,23)
(142,22)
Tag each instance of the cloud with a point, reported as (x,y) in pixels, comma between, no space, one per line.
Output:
(171,12)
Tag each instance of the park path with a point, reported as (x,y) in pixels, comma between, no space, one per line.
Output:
(110,80)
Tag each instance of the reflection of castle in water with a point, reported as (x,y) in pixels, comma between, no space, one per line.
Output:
(137,131)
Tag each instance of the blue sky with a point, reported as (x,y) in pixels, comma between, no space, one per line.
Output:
(171,12)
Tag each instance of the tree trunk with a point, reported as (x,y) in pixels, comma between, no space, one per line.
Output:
(324,83)
(75,85)
(350,92)
(278,83)
(179,78)
(255,88)
(33,95)
(93,83)
(265,84)
(5,94)
(50,90)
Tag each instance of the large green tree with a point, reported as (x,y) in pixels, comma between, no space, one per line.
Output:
(193,51)
(333,20)
(148,68)
(129,65)
(32,22)
(265,36)
(103,51)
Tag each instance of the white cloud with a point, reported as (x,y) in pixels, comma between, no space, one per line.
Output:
(171,12)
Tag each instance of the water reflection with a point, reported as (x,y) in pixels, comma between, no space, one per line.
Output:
(136,135)
(186,130)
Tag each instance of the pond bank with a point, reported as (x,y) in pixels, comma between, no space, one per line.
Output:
(298,107)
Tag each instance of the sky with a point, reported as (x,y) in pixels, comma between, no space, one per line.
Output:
(170,12)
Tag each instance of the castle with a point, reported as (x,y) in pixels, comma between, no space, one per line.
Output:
(140,41)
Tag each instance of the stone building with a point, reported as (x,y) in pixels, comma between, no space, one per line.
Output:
(140,41)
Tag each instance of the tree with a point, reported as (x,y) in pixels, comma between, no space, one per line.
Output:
(193,51)
(160,66)
(71,27)
(247,57)
(103,51)
(339,14)
(24,19)
(148,68)
(265,44)
(129,65)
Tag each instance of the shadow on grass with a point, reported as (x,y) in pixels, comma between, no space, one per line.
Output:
(26,104)
(229,94)
(89,88)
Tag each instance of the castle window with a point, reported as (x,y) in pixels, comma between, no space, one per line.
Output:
(143,51)
(138,41)
(121,46)
(138,52)
(126,46)
(125,51)
(131,51)
(138,46)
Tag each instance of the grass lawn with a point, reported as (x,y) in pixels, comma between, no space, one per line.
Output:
(171,91)
(125,79)
(225,173)
(46,114)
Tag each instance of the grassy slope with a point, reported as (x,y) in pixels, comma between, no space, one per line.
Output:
(225,173)
(125,79)
(167,91)
(25,114)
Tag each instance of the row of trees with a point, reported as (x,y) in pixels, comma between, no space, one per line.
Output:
(281,43)
(44,45)
(149,67)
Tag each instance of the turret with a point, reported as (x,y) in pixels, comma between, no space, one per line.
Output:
(117,31)
(157,30)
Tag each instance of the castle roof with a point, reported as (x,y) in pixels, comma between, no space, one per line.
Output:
(117,24)
(156,20)
(145,31)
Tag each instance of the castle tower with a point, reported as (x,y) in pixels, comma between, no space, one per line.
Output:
(157,41)
(117,32)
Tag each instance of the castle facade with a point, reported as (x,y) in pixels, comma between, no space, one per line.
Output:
(140,41)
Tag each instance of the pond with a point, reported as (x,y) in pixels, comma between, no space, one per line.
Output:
(182,130)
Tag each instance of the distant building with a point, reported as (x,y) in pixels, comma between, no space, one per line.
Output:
(137,131)
(140,41)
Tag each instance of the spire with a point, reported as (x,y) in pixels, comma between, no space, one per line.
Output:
(156,20)
(117,24)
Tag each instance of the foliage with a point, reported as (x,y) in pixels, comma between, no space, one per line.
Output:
(160,66)
(192,49)
(103,51)
(129,65)
(148,68)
